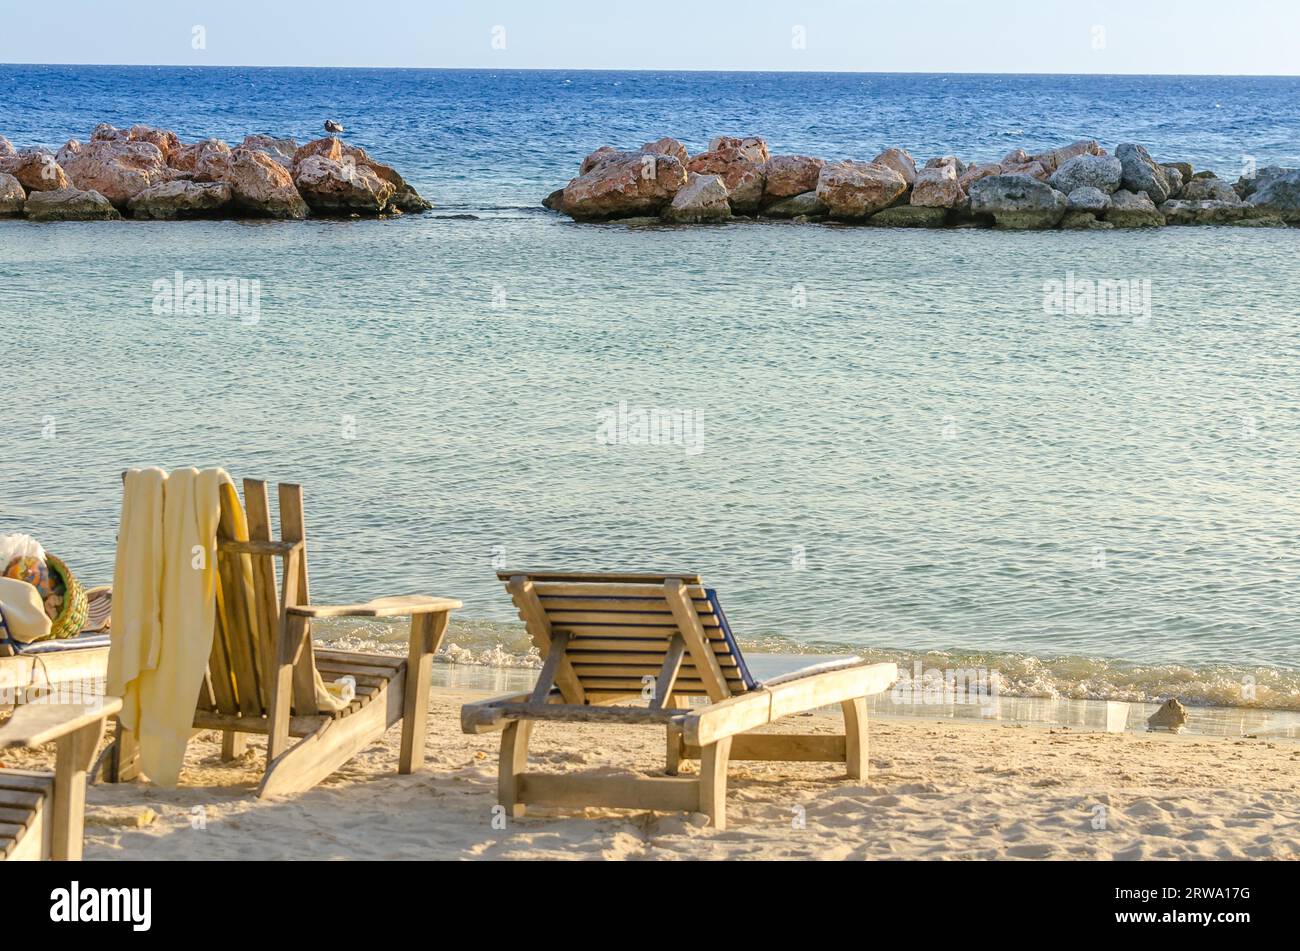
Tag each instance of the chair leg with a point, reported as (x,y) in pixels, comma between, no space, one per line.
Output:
(713,782)
(514,757)
(233,745)
(426,632)
(855,737)
(123,764)
(75,751)
(674,758)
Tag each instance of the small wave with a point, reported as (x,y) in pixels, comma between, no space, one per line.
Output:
(492,644)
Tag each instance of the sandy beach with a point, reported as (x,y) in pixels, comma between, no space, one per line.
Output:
(937,790)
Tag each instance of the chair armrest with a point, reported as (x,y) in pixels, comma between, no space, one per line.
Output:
(34,724)
(400,606)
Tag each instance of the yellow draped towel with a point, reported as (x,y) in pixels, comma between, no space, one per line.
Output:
(165,584)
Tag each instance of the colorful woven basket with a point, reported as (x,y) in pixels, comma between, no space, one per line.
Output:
(73,616)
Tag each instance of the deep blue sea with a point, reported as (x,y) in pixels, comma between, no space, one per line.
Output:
(897,448)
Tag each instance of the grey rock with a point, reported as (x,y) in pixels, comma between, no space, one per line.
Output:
(1017,201)
(1102,172)
(1279,194)
(69,204)
(702,198)
(180,199)
(1129,210)
(1141,173)
(909,216)
(12,196)
(1209,189)
(806,204)
(1174,176)
(1087,198)
(1084,221)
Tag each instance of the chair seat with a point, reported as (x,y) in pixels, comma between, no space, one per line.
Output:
(23,795)
(372,672)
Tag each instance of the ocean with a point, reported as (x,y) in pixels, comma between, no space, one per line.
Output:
(884,441)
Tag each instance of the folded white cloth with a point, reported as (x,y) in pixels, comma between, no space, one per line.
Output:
(23,611)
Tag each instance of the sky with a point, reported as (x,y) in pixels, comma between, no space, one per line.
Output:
(1006,36)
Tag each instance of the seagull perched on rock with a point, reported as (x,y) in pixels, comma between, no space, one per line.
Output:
(332,126)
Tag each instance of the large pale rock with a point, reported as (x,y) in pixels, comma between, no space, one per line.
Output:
(118,168)
(334,187)
(6,147)
(1141,173)
(1278,193)
(259,185)
(69,204)
(180,199)
(852,190)
(740,164)
(790,175)
(937,188)
(71,149)
(1033,169)
(1102,172)
(37,170)
(804,205)
(1017,201)
(281,150)
(1087,198)
(900,160)
(403,198)
(1129,210)
(702,198)
(12,196)
(624,185)
(1209,189)
(1055,158)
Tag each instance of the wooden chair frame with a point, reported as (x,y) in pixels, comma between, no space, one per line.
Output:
(42,815)
(262,670)
(714,734)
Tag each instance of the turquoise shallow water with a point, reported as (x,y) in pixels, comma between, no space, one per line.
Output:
(918,461)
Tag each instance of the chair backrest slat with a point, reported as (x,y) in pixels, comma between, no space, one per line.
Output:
(237,618)
(621,628)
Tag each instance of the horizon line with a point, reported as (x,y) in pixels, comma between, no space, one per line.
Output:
(656,69)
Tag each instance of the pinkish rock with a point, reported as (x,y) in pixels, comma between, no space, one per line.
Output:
(180,199)
(857,189)
(37,170)
(400,196)
(118,168)
(900,160)
(624,185)
(974,173)
(259,184)
(739,163)
(667,146)
(1055,158)
(1033,169)
(789,175)
(340,186)
(1016,157)
(937,187)
(191,158)
(165,140)
(752,148)
(6,147)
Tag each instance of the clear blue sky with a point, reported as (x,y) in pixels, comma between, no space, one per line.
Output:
(1186,36)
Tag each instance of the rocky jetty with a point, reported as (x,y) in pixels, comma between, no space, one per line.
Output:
(1079,186)
(148,173)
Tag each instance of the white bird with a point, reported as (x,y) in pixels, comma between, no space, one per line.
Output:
(332,126)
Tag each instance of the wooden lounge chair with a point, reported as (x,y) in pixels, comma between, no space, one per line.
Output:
(41,813)
(663,638)
(261,673)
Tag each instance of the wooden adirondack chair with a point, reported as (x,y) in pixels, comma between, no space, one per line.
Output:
(42,814)
(261,673)
(663,638)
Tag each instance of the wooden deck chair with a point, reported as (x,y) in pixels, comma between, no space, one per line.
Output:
(261,673)
(662,638)
(42,814)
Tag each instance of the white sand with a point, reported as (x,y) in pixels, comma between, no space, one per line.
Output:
(938,790)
